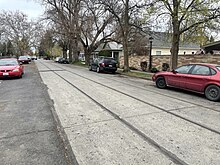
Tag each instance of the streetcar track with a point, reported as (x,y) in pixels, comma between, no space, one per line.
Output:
(212,109)
(163,150)
(150,104)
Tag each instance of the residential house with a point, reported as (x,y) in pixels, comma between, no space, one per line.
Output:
(115,49)
(161,45)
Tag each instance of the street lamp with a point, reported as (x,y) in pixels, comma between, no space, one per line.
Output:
(150,56)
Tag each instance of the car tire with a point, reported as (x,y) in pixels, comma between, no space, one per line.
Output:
(161,83)
(98,69)
(212,92)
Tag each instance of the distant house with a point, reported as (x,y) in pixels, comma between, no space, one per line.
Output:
(115,49)
(161,45)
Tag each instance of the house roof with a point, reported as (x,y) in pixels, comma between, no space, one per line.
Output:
(113,46)
(163,40)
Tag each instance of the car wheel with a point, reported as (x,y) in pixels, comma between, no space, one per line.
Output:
(161,83)
(212,92)
(98,70)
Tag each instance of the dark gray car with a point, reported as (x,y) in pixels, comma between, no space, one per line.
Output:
(103,64)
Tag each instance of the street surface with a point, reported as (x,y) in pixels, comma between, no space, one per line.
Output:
(28,131)
(113,119)
(103,119)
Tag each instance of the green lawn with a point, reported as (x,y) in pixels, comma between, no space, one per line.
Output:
(144,75)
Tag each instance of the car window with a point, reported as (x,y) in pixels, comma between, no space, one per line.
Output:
(8,62)
(23,57)
(184,69)
(218,67)
(201,70)
(109,60)
(213,71)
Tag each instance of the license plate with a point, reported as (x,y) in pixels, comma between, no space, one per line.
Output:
(5,74)
(110,65)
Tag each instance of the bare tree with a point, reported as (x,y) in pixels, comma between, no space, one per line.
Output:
(183,16)
(125,12)
(65,13)
(19,30)
(95,25)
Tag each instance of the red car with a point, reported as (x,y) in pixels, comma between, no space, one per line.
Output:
(200,78)
(24,59)
(10,67)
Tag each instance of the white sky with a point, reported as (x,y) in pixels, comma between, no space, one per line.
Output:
(29,7)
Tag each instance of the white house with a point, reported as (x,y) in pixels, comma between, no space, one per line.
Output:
(115,49)
(161,45)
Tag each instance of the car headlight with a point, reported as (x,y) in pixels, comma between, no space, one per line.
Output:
(16,70)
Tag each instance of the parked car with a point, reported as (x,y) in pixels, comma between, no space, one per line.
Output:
(29,58)
(46,58)
(200,78)
(24,59)
(102,64)
(57,59)
(63,61)
(34,58)
(10,67)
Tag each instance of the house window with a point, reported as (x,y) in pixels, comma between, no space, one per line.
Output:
(158,52)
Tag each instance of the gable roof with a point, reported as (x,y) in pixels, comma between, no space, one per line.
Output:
(164,40)
(112,46)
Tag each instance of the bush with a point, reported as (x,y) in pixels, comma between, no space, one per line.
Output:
(165,67)
(154,70)
(144,65)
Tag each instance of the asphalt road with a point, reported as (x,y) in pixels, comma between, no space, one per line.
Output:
(28,129)
(113,119)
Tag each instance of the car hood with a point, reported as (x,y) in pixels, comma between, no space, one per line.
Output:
(8,67)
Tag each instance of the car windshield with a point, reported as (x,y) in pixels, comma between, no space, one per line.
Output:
(218,67)
(23,57)
(8,62)
(109,60)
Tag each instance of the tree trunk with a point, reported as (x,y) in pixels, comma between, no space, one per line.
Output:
(75,53)
(176,35)
(87,55)
(125,38)
(175,50)
(70,50)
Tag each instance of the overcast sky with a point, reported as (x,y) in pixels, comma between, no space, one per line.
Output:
(29,7)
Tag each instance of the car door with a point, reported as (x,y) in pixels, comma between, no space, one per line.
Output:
(198,78)
(176,78)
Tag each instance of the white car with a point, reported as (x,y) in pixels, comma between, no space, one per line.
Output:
(57,59)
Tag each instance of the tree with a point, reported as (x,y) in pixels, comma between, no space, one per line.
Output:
(46,44)
(95,26)
(127,15)
(16,27)
(182,17)
(65,14)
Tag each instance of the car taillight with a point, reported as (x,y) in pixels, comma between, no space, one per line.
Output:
(102,64)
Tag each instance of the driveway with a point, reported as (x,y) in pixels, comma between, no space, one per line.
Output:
(113,119)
